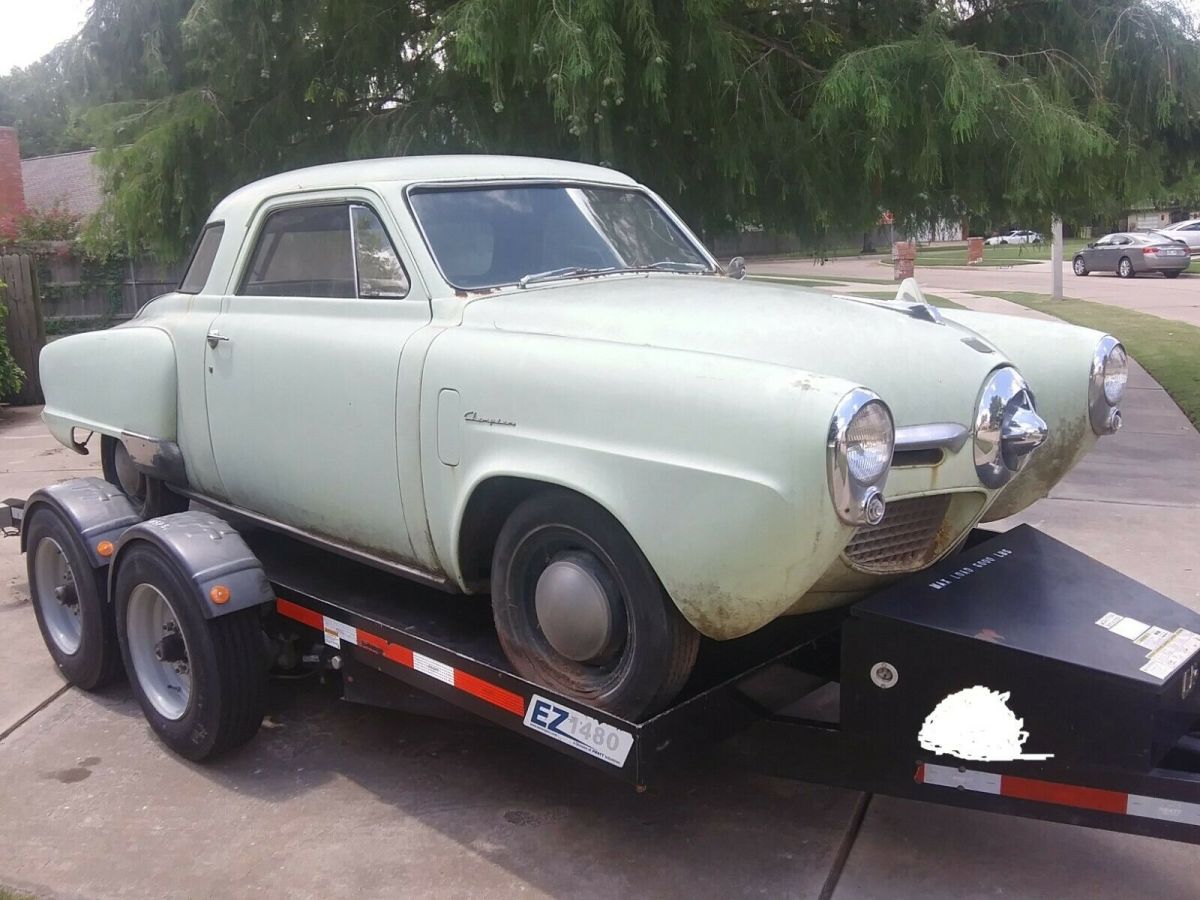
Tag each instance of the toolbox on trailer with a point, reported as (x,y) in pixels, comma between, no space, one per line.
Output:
(1093,675)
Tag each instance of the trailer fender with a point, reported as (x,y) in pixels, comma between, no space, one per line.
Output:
(224,572)
(97,510)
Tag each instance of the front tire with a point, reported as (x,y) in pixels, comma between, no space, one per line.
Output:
(150,496)
(1125,268)
(69,603)
(579,609)
(1171,274)
(201,683)
(1079,266)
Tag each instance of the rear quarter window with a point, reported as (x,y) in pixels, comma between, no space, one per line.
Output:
(196,275)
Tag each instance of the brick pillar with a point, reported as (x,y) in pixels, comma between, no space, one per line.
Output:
(12,189)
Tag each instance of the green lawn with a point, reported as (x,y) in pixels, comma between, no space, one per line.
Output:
(1169,351)
(1000,255)
(816,280)
(935,299)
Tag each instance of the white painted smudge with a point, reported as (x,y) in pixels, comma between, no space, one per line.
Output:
(976,724)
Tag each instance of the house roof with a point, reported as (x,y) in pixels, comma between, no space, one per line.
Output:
(70,180)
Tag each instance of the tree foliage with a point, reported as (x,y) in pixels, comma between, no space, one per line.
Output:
(808,115)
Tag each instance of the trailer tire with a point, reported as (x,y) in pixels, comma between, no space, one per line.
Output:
(80,634)
(150,496)
(630,664)
(221,702)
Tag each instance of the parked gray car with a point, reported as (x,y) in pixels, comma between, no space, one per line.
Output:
(1129,254)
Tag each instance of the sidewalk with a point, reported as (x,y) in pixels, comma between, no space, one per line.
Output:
(336,800)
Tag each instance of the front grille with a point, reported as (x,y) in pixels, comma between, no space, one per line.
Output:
(906,539)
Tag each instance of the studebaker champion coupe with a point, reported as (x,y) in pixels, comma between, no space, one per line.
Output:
(529,378)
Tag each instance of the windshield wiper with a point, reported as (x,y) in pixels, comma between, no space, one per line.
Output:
(663,265)
(551,274)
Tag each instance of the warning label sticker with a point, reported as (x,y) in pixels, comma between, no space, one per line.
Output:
(1173,653)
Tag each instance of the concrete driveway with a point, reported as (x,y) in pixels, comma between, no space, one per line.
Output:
(332,800)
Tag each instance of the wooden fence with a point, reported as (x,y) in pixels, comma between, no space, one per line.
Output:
(23,325)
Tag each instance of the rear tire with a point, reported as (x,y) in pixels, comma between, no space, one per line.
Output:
(1171,274)
(641,657)
(1079,266)
(68,595)
(150,496)
(218,700)
(1125,268)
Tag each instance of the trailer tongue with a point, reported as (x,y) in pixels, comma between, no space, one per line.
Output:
(1019,676)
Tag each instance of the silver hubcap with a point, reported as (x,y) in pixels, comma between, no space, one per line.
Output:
(159,651)
(127,473)
(1079,267)
(1125,267)
(579,608)
(56,596)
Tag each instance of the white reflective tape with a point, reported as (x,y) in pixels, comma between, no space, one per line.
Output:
(336,632)
(1163,809)
(949,776)
(433,668)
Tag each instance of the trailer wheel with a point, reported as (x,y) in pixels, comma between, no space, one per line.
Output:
(150,496)
(69,601)
(201,682)
(579,609)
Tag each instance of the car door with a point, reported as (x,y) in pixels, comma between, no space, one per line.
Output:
(301,374)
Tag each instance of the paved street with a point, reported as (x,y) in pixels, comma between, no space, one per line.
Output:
(1171,299)
(334,800)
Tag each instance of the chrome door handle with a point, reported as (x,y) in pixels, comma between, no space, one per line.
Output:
(215,337)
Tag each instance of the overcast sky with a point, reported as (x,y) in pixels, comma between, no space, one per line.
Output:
(30,28)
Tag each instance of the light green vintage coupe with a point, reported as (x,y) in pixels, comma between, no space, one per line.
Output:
(529,377)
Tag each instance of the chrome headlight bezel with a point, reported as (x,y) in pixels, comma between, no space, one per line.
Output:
(857,501)
(1103,411)
(1007,427)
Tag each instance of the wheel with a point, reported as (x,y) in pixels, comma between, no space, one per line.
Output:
(1171,274)
(69,601)
(1125,268)
(1079,266)
(150,495)
(579,609)
(201,683)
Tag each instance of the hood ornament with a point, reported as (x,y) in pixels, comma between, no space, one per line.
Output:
(911,295)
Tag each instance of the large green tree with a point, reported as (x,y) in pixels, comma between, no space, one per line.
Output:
(809,115)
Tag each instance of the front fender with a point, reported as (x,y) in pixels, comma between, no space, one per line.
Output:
(715,466)
(113,381)
(1055,359)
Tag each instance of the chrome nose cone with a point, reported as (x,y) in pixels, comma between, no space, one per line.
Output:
(1022,433)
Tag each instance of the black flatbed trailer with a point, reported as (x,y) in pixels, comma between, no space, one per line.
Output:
(1103,671)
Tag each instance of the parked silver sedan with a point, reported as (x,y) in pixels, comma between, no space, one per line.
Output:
(1129,254)
(1187,231)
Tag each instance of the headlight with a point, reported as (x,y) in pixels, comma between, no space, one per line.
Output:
(1007,427)
(1110,372)
(861,439)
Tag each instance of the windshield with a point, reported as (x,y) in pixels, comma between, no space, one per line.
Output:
(490,236)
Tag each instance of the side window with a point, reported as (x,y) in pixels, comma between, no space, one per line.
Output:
(376,264)
(196,275)
(303,251)
(1195,227)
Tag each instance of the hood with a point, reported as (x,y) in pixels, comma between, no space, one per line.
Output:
(925,371)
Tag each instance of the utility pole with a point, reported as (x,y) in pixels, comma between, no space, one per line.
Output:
(1056,258)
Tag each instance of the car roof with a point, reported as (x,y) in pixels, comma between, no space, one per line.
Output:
(411,169)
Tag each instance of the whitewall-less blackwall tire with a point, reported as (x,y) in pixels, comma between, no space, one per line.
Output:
(69,601)
(150,496)
(201,683)
(579,610)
